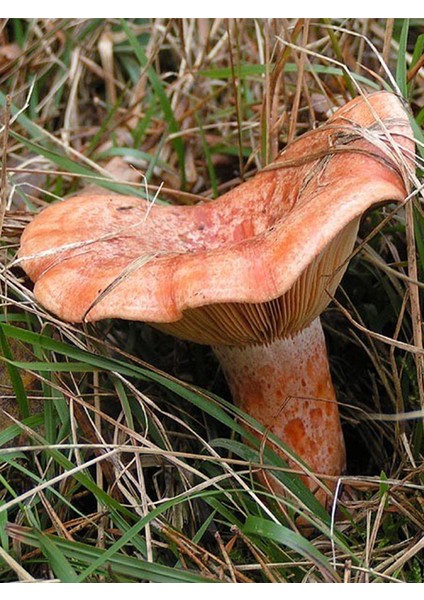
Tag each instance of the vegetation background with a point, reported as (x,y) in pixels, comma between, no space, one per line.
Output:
(121,454)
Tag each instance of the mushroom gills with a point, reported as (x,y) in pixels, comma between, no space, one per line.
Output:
(240,324)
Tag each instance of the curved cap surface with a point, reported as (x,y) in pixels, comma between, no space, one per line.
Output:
(253,265)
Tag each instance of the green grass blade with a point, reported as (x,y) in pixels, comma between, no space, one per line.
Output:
(71,166)
(6,435)
(401,68)
(15,377)
(262,528)
(53,367)
(249,71)
(58,562)
(117,564)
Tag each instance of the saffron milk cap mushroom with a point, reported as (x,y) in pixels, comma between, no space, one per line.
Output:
(248,273)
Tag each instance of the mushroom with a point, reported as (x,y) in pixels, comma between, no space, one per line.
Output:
(248,273)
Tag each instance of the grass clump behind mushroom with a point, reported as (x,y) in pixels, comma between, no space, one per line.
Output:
(134,460)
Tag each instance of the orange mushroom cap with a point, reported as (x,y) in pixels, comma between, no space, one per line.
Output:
(252,266)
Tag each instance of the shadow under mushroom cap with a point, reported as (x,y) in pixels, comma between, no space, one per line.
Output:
(254,265)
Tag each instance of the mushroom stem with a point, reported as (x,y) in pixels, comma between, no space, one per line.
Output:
(286,386)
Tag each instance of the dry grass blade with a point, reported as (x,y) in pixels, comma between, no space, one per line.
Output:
(406,555)
(21,573)
(417,350)
(131,268)
(3,174)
